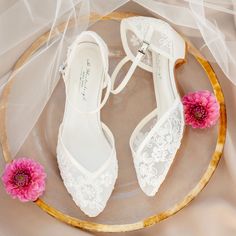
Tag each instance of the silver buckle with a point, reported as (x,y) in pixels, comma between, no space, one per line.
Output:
(143,49)
(62,68)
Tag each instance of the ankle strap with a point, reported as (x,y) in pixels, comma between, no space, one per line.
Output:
(141,53)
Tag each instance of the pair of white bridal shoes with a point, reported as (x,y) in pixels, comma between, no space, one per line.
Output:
(86,151)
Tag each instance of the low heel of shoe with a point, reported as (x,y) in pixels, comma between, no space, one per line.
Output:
(182,61)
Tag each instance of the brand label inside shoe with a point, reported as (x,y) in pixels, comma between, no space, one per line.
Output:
(84,79)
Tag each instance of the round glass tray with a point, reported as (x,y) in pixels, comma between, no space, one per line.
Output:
(128,208)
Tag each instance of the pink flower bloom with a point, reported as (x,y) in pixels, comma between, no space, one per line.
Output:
(201,109)
(24,179)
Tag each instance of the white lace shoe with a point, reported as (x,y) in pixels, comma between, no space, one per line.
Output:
(154,46)
(86,150)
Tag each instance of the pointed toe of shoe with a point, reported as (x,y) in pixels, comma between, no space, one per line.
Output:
(150,190)
(92,196)
(91,211)
(92,207)
(90,191)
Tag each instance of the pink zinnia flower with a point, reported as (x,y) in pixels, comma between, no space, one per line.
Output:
(24,179)
(201,109)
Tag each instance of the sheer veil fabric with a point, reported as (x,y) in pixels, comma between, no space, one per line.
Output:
(209,24)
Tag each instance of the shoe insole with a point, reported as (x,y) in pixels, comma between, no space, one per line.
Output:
(82,132)
(164,83)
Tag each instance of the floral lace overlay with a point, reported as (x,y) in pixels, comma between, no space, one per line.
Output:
(157,150)
(142,134)
(89,191)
